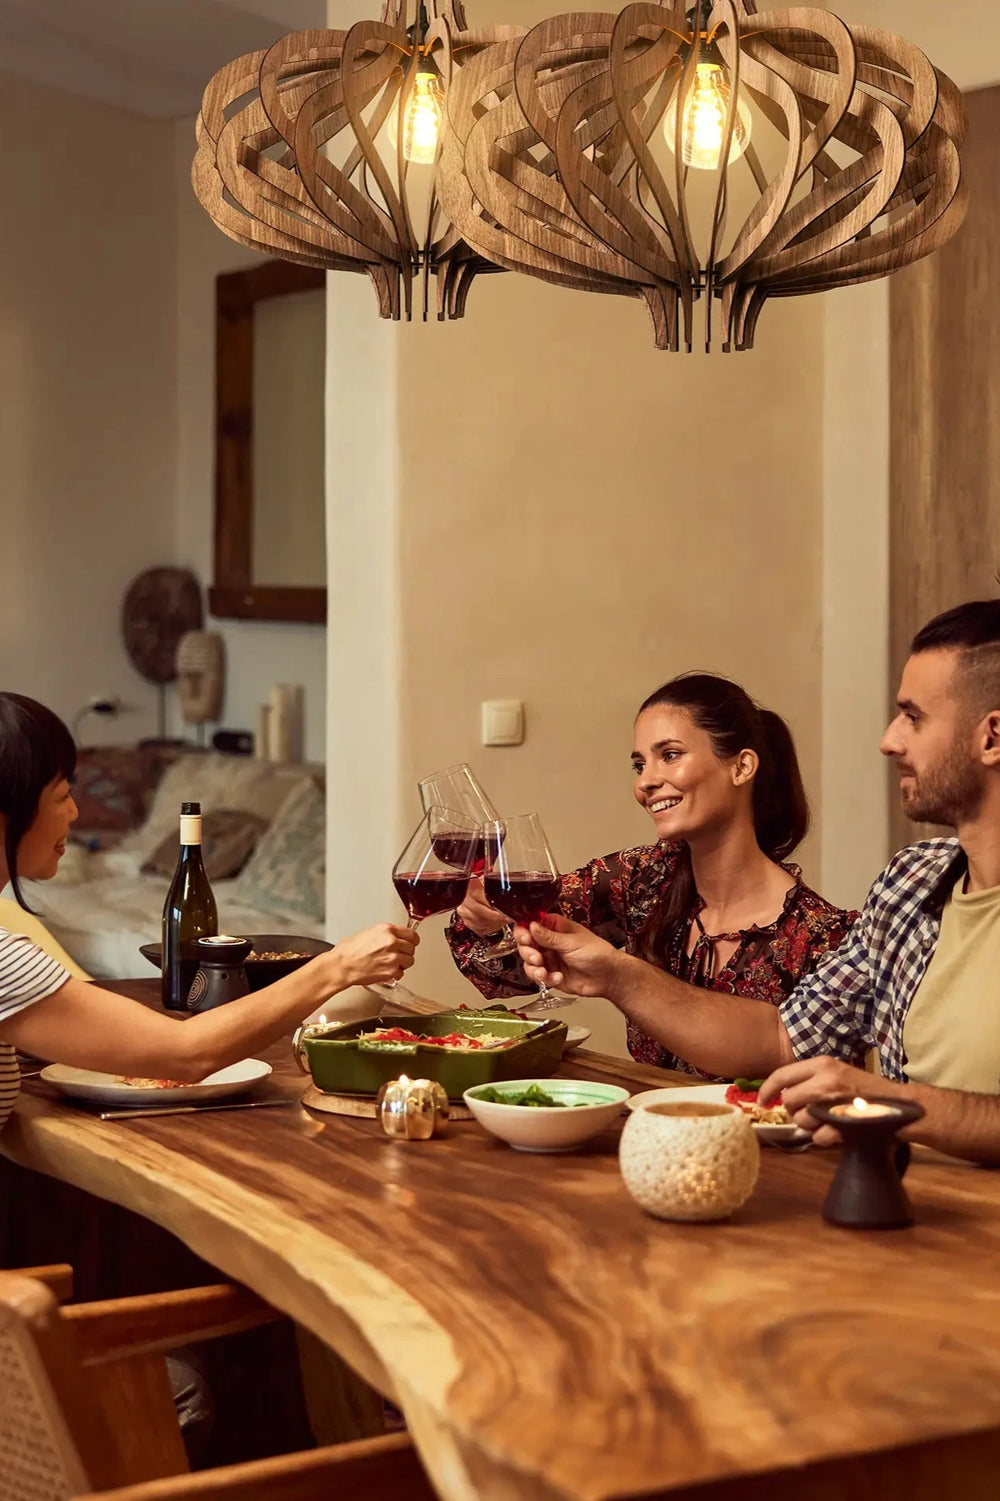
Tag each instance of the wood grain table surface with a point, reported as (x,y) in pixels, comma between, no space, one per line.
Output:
(548,1340)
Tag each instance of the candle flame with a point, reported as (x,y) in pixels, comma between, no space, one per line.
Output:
(860,1104)
(403,1079)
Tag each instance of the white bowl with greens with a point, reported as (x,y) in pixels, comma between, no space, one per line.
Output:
(545,1115)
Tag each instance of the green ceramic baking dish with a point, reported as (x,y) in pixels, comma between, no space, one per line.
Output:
(341,1061)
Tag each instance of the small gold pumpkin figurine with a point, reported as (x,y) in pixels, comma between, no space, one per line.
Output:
(412,1108)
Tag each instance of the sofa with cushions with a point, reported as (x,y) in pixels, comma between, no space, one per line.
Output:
(263,840)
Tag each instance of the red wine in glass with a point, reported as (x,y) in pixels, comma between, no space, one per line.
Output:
(463,851)
(425,892)
(522,879)
(524,897)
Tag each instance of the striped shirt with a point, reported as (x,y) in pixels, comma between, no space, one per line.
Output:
(858,996)
(27,974)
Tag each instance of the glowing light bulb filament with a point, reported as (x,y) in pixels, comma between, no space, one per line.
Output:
(423,118)
(703,120)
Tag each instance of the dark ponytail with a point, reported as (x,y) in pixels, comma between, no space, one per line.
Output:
(734,723)
(780,806)
(36,749)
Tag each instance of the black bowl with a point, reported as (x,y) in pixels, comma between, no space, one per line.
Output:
(261,972)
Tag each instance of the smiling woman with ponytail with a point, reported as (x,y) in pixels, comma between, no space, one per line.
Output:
(714,900)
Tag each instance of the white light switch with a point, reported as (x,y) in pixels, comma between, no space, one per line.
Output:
(502,721)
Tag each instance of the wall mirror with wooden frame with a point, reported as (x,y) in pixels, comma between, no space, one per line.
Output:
(270,541)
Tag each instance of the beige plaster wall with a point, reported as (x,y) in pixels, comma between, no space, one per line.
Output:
(86,392)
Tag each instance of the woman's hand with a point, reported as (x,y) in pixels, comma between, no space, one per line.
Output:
(566,955)
(373,956)
(477,913)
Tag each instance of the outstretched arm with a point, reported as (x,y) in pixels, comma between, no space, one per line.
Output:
(721,1034)
(87,1027)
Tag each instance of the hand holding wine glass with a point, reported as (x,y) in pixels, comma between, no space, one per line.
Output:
(522,879)
(477,914)
(376,956)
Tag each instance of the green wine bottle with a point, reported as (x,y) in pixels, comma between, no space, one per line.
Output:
(188,914)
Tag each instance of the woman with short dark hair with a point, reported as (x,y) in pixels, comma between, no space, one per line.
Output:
(714,900)
(46,1011)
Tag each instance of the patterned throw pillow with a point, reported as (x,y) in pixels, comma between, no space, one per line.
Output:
(229,837)
(113,787)
(287,872)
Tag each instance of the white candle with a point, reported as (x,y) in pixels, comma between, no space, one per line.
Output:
(859,1109)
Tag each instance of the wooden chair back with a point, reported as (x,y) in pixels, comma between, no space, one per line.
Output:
(51,1430)
(85,1405)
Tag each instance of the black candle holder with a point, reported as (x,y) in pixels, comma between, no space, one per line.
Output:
(866,1192)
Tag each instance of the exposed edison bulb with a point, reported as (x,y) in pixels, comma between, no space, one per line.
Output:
(423,117)
(703,120)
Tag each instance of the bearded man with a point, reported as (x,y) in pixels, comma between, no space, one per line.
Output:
(917,978)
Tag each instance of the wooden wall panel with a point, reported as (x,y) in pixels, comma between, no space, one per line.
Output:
(944,528)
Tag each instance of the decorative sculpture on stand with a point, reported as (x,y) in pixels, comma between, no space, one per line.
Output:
(201,670)
(160,606)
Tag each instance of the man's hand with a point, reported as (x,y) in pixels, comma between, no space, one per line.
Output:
(567,955)
(476,912)
(815,1080)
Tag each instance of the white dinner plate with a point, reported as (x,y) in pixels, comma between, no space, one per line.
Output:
(714,1094)
(83,1084)
(574,1037)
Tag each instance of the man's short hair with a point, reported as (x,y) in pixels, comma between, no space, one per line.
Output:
(974,624)
(973,630)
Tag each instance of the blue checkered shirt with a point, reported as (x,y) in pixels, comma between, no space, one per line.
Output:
(858,995)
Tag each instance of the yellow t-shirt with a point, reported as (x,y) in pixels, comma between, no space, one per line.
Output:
(951,1035)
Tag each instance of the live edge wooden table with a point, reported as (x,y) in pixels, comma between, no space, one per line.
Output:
(547,1341)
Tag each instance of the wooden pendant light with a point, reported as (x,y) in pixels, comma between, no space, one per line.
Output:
(554,165)
(290,159)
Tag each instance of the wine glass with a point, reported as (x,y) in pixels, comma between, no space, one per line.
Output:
(522,879)
(458,787)
(434,868)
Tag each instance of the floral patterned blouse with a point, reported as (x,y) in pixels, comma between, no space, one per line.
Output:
(615,897)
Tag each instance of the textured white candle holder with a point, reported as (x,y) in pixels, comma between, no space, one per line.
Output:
(689,1160)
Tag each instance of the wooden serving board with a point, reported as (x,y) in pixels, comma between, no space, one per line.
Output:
(362,1105)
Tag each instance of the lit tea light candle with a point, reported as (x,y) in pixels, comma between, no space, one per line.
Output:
(414,1109)
(859,1109)
(866,1192)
